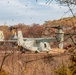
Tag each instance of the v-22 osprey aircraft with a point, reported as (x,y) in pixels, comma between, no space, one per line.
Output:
(34,44)
(31,44)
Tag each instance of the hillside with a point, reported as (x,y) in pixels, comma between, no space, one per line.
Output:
(56,62)
(45,30)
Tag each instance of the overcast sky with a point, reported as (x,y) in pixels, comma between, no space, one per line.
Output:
(29,11)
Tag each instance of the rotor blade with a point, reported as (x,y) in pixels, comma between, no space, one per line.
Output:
(57,27)
(8,40)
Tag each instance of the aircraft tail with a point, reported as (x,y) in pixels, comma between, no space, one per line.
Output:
(20,38)
(1,36)
(26,44)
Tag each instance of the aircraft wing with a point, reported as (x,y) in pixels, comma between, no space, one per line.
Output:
(45,39)
(8,40)
(30,39)
(41,39)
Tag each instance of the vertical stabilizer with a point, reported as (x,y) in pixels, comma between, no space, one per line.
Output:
(20,38)
(1,36)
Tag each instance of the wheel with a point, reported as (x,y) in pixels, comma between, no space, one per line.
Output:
(22,50)
(37,51)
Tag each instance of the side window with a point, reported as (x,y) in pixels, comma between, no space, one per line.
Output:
(44,45)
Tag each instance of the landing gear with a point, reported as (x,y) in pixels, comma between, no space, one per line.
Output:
(37,51)
(22,50)
(2,43)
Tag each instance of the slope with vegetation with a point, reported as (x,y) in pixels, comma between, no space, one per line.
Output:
(45,64)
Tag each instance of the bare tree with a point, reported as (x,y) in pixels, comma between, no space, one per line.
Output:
(4,58)
(67,1)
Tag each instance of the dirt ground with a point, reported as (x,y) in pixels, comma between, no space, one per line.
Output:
(34,64)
